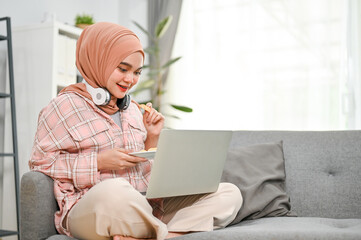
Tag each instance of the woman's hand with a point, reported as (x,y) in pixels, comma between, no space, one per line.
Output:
(154,123)
(117,159)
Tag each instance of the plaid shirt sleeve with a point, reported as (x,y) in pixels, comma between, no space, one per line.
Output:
(59,148)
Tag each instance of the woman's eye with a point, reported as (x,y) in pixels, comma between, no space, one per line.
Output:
(122,69)
(138,73)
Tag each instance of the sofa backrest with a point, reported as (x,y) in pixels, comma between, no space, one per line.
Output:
(323,169)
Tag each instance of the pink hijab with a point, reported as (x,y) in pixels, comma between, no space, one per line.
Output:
(100,48)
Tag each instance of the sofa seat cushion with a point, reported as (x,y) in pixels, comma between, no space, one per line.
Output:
(285,228)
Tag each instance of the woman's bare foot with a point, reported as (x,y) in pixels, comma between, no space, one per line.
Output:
(170,235)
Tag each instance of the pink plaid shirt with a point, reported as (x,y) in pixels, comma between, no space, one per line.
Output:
(71,131)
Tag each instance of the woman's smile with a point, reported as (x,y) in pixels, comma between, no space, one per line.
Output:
(123,88)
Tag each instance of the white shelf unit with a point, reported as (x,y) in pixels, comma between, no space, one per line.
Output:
(44,63)
(49,49)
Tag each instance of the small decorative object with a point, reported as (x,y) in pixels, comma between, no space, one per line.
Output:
(83,20)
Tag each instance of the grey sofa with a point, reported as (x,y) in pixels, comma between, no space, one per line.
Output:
(323,181)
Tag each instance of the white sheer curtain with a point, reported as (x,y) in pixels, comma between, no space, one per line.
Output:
(351,79)
(266,64)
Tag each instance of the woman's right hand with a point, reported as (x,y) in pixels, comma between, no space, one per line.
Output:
(117,159)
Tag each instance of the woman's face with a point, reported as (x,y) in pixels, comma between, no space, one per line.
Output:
(126,75)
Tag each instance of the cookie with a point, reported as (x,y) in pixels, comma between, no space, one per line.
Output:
(145,107)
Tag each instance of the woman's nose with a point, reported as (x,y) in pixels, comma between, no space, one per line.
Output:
(128,77)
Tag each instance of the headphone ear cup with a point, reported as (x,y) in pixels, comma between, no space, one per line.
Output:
(100,96)
(124,103)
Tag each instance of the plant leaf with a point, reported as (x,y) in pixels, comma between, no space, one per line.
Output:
(143,29)
(170,62)
(151,50)
(182,108)
(152,72)
(142,86)
(137,91)
(147,83)
(145,66)
(84,19)
(161,92)
(163,26)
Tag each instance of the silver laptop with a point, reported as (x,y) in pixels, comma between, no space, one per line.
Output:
(188,162)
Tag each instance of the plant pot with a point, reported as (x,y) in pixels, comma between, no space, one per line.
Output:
(82,25)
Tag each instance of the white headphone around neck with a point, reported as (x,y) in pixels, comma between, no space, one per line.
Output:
(100,96)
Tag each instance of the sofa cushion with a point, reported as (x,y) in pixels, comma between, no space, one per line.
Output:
(285,228)
(259,172)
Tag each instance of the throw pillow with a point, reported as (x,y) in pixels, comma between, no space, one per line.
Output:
(259,172)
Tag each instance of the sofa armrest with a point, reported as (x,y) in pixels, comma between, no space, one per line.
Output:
(37,206)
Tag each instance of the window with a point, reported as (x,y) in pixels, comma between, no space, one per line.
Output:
(266,64)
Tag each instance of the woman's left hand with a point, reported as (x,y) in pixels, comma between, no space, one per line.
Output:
(153,121)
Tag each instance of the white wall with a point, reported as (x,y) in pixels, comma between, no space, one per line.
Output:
(29,12)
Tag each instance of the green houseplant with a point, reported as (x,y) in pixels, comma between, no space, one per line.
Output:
(83,20)
(155,82)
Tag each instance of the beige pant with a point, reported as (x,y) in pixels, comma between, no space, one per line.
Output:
(114,207)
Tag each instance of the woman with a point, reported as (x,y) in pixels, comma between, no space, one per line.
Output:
(83,139)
